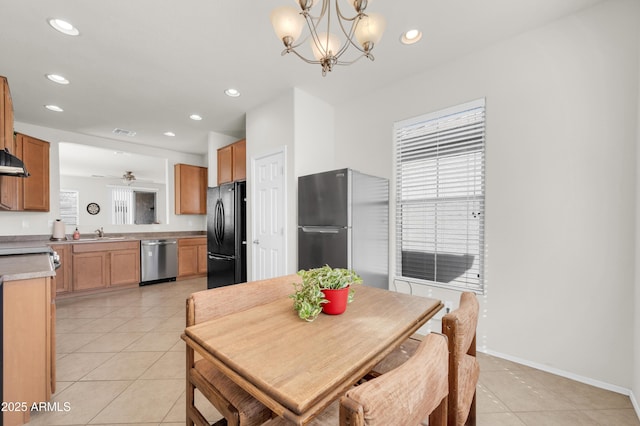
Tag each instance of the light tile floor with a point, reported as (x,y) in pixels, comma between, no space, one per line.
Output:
(120,360)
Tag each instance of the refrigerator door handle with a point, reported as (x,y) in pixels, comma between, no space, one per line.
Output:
(220,222)
(316,230)
(219,257)
(216,230)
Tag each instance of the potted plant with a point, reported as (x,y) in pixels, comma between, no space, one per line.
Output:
(324,289)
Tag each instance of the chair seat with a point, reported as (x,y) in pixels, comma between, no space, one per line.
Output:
(247,406)
(468,375)
(395,359)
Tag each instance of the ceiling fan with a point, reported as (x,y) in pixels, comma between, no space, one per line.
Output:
(128,178)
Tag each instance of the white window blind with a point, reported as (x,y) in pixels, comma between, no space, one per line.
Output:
(440,198)
(122,205)
(69,207)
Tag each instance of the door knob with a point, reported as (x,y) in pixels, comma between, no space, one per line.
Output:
(256,241)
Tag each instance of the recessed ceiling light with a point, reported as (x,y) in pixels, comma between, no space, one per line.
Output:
(232,93)
(411,37)
(195,117)
(57,78)
(171,134)
(64,27)
(55,108)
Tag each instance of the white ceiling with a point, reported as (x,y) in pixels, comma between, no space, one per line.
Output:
(146,65)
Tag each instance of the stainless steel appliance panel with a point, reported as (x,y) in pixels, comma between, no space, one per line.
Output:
(355,202)
(323,199)
(158,260)
(319,246)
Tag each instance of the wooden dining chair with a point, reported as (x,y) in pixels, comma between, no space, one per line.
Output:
(237,406)
(464,370)
(406,395)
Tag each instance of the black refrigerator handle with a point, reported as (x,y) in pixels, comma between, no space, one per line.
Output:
(216,222)
(220,222)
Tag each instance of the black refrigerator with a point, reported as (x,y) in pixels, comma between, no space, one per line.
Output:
(226,234)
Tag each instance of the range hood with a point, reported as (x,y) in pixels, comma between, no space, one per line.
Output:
(10,165)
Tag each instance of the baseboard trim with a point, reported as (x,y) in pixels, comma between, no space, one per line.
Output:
(634,401)
(568,375)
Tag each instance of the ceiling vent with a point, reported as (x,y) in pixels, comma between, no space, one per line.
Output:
(123,132)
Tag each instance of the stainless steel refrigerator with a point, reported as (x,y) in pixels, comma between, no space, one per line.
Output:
(226,234)
(343,221)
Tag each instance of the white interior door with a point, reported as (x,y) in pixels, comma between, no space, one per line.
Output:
(269,201)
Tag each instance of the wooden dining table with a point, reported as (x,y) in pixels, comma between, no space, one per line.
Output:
(297,368)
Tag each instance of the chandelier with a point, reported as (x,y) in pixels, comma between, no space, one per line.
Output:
(362,31)
(128,178)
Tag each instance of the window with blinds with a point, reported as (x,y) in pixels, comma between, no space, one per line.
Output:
(69,207)
(122,205)
(440,198)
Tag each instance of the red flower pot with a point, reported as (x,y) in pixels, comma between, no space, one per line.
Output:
(337,301)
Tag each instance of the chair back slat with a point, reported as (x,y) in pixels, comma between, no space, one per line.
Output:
(217,302)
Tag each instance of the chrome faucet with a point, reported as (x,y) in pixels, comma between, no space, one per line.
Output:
(100,232)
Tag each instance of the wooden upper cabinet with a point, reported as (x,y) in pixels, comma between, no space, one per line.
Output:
(6,116)
(225,164)
(232,162)
(33,192)
(190,189)
(8,184)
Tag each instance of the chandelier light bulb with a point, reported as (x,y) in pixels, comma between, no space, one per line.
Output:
(326,45)
(370,29)
(287,24)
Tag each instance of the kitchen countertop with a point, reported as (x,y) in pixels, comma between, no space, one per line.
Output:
(9,242)
(25,266)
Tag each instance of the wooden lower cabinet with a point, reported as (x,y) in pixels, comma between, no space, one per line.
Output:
(124,267)
(98,266)
(90,270)
(28,332)
(192,257)
(62,280)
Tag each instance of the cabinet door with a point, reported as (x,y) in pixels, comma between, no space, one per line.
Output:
(33,192)
(124,267)
(202,259)
(240,160)
(8,184)
(225,164)
(6,116)
(187,261)
(90,271)
(190,189)
(26,337)
(63,273)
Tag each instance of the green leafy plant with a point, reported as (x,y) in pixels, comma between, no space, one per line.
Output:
(308,297)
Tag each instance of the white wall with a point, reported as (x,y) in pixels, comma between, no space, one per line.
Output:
(32,223)
(270,128)
(560,188)
(314,135)
(92,190)
(302,126)
(636,327)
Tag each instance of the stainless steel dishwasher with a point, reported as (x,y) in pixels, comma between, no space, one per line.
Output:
(158,260)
